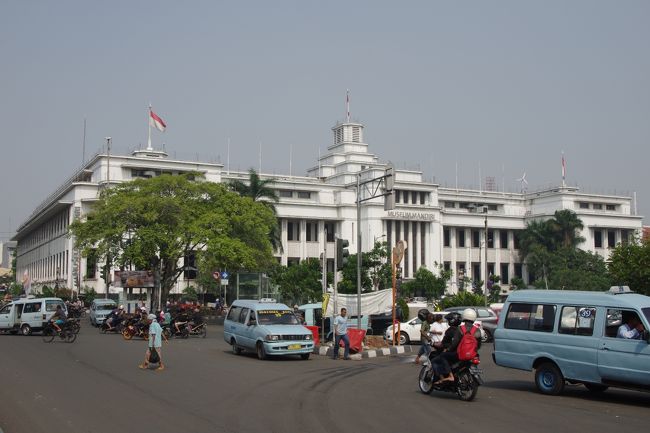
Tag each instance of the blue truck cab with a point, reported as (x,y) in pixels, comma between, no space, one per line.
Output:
(576,337)
(267,329)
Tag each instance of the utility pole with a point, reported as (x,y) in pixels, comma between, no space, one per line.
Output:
(487,276)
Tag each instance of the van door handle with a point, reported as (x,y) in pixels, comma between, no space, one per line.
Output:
(605,348)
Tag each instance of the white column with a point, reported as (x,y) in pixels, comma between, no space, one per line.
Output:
(427,245)
(285,244)
(303,239)
(418,244)
(411,246)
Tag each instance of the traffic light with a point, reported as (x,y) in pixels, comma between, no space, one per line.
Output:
(342,253)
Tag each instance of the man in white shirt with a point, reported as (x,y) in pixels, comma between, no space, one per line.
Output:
(438,328)
(633,329)
(341,333)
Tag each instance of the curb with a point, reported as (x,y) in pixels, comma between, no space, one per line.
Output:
(366,354)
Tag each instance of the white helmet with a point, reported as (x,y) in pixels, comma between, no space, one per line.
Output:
(469,314)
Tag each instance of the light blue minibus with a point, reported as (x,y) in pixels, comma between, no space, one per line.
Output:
(266,329)
(599,339)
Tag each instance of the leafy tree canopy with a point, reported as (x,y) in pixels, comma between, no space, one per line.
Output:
(427,283)
(300,283)
(630,266)
(154,223)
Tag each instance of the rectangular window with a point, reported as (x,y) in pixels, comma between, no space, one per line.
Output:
(423,197)
(476,238)
(398,196)
(414,197)
(610,207)
(598,239)
(505,278)
(515,239)
(330,231)
(611,239)
(189,266)
(492,207)
(242,315)
(503,239)
(91,265)
(450,204)
(285,193)
(490,239)
(293,231)
(460,238)
(446,239)
(447,266)
(584,205)
(32,307)
(577,320)
(530,317)
(598,206)
(312,231)
(423,243)
(476,272)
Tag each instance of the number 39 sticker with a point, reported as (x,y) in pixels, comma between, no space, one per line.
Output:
(586,313)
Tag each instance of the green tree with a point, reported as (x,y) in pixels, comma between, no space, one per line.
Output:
(300,283)
(629,265)
(566,225)
(260,190)
(154,223)
(573,269)
(379,266)
(462,299)
(427,283)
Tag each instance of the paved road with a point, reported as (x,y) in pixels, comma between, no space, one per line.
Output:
(94,385)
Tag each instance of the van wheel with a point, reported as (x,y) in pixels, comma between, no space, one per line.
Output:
(596,387)
(261,353)
(25,330)
(549,379)
(235,349)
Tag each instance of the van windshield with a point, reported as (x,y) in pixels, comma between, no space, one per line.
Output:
(276,317)
(106,306)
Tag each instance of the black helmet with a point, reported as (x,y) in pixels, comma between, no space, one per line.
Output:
(422,314)
(453,319)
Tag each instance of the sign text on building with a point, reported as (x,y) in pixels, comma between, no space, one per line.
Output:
(419,216)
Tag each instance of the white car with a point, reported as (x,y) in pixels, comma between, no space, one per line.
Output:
(409,332)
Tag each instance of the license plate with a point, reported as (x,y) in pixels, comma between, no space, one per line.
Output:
(294,346)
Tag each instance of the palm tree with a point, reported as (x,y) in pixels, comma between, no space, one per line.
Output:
(537,233)
(566,223)
(259,190)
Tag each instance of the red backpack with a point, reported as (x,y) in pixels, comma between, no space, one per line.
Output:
(467,347)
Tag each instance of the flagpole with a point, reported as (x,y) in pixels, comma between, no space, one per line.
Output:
(347,104)
(290,157)
(149,135)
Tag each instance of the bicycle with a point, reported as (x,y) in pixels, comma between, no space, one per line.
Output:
(66,333)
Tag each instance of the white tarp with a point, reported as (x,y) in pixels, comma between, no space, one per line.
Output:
(371,303)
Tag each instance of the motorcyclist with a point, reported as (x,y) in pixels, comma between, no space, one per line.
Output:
(453,320)
(450,356)
(58,318)
(180,320)
(197,317)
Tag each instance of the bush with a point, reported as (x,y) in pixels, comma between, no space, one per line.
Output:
(462,299)
(403,306)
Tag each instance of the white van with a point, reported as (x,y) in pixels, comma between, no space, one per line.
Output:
(28,315)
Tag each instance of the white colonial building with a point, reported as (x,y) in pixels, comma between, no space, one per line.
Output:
(441,225)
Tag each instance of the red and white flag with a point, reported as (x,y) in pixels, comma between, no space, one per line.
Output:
(347,104)
(156,121)
(563,167)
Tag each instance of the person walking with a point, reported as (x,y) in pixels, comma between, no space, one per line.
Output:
(155,342)
(341,333)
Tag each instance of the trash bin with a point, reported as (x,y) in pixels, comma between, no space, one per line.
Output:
(356,337)
(315,333)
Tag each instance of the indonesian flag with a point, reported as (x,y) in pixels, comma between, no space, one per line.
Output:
(156,121)
(563,167)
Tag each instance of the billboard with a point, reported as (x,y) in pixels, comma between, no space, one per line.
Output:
(130,279)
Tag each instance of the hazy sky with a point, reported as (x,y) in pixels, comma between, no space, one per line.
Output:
(507,85)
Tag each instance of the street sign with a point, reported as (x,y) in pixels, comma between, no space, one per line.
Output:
(216,275)
(224,275)
(224,282)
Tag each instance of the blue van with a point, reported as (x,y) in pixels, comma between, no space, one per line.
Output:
(267,329)
(576,337)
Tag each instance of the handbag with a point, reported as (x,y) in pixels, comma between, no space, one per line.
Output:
(154,358)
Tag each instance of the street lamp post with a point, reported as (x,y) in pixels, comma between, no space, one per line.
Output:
(485,290)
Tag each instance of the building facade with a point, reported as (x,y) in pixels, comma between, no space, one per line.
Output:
(442,226)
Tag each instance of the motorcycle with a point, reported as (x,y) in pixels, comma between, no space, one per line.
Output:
(467,379)
(185,330)
(118,328)
(132,330)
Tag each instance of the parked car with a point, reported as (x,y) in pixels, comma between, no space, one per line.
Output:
(99,309)
(485,315)
(409,332)
(378,323)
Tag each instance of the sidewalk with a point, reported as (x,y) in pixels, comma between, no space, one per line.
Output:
(365,354)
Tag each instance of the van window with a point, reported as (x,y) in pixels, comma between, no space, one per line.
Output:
(51,305)
(531,317)
(32,307)
(233,314)
(243,314)
(616,318)
(6,309)
(646,313)
(577,320)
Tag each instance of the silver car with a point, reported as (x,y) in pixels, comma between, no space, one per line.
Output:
(99,309)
